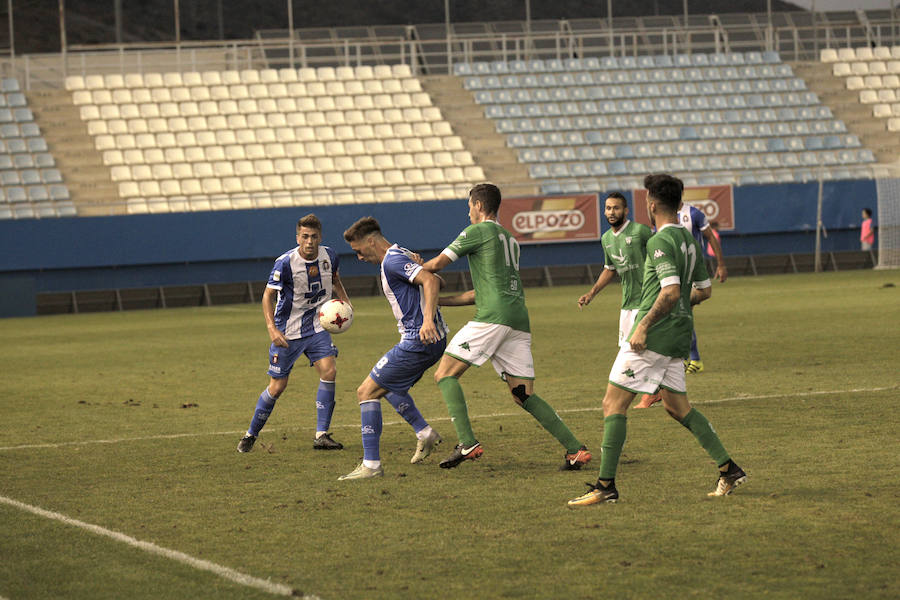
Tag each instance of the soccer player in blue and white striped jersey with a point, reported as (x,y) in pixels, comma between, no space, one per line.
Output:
(413,295)
(302,279)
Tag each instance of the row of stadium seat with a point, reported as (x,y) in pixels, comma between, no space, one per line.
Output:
(26,160)
(696,164)
(672,92)
(407,92)
(863,53)
(749,74)
(227,138)
(569,152)
(257,130)
(20,130)
(20,115)
(13,100)
(616,63)
(154,165)
(37,210)
(234,185)
(29,176)
(234,77)
(15,194)
(638,127)
(17,145)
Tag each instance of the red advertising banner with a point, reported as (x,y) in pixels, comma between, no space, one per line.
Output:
(715,201)
(544,220)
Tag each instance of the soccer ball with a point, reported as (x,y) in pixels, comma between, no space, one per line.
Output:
(336,316)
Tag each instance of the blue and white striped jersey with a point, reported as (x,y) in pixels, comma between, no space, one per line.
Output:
(398,270)
(694,221)
(303,285)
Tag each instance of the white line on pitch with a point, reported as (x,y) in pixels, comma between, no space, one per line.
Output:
(197,563)
(595,408)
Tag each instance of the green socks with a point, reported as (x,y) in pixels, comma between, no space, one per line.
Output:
(614,429)
(706,435)
(456,406)
(549,420)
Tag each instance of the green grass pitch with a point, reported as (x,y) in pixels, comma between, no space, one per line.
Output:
(129,421)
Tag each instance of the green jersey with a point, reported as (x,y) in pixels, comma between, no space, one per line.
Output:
(673,257)
(625,251)
(494,264)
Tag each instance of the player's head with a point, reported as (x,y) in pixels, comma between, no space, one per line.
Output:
(364,237)
(309,236)
(615,209)
(867,213)
(484,202)
(663,195)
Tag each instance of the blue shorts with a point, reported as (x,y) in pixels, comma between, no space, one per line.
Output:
(315,347)
(404,364)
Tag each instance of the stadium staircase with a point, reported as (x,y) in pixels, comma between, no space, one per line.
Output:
(91,189)
(488,147)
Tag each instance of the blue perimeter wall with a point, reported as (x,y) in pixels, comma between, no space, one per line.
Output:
(73,254)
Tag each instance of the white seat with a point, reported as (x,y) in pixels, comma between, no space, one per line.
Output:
(275,150)
(859,68)
(120,173)
(841,69)
(877,67)
(112,157)
(287,75)
(211,78)
(191,187)
(149,110)
(74,82)
(283,166)
(149,188)
(101,97)
(887,95)
(890,81)
(154,156)
(868,96)
(828,55)
(881,111)
(129,111)
(864,53)
(170,187)
(153,80)
(881,52)
(97,127)
(854,82)
(121,96)
(474,173)
(252,183)
(129,189)
(872,82)
(194,154)
(174,155)
(82,97)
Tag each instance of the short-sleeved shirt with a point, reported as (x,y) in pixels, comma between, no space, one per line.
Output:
(624,252)
(694,221)
(673,258)
(493,255)
(303,285)
(398,270)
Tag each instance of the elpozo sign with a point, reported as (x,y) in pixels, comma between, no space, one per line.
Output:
(545,219)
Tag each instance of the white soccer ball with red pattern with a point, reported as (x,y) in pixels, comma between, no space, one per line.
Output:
(336,316)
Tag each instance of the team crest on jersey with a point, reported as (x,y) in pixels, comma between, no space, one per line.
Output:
(409,267)
(658,253)
(325,265)
(628,239)
(276,276)
(313,271)
(275,359)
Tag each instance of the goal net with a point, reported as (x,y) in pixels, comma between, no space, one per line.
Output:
(887,219)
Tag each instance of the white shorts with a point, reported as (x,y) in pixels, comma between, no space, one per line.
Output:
(646,372)
(508,349)
(626,322)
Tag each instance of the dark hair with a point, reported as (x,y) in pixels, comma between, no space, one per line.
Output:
(867,212)
(311,221)
(362,228)
(618,196)
(487,195)
(666,189)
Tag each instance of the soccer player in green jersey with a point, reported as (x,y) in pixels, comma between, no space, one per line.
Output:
(499,331)
(624,249)
(675,278)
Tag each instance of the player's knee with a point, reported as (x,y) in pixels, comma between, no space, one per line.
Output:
(277,387)
(328,374)
(361,395)
(519,394)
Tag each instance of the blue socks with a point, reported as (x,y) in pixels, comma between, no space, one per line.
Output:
(370,417)
(695,351)
(264,407)
(406,408)
(324,406)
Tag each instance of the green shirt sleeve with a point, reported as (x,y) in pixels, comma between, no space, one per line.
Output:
(466,242)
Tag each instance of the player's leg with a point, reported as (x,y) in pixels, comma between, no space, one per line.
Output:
(369,395)
(694,364)
(676,403)
(447,377)
(281,361)
(322,355)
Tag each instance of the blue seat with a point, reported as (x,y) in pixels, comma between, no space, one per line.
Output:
(832,142)
(536,65)
(528,155)
(573,64)
(494,111)
(554,64)
(9,84)
(577,93)
(559,169)
(462,69)
(598,168)
(551,187)
(771,57)
(617,167)
(547,155)
(490,82)
(518,66)
(585,153)
(662,60)
(814,143)
(574,138)
(500,67)
(58,193)
(534,139)
(753,58)
(513,111)
(718,59)
(538,171)
(516,140)
(688,133)
(523,125)
(481,68)
(472,82)
(37,193)
(554,138)
(506,126)
(775,145)
(565,79)
(595,137)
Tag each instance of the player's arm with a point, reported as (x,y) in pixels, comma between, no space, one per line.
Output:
(605,277)
(437,263)
(698,295)
(268,306)
(338,287)
(464,299)
(663,305)
(431,285)
(713,241)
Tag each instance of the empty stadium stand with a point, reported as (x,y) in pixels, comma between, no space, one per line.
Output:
(256,138)
(30,184)
(602,123)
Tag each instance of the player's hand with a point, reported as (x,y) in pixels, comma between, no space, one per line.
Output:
(417,258)
(278,338)
(721,273)
(428,333)
(638,340)
(584,300)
